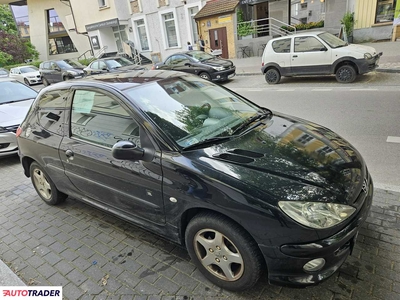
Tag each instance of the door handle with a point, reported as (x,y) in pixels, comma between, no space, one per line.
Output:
(69,153)
(295,56)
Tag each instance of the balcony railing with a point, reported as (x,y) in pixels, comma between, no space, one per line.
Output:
(267,27)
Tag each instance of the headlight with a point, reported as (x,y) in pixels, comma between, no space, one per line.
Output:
(315,214)
(218,68)
(367,56)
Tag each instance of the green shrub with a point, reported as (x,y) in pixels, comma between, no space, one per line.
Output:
(306,26)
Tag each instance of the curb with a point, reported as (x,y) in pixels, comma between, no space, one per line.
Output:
(8,277)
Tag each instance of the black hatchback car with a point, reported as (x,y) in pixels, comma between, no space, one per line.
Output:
(53,71)
(246,190)
(199,63)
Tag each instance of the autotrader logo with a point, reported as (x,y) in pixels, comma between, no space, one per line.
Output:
(26,293)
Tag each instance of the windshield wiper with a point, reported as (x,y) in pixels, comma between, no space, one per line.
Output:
(257,117)
(209,142)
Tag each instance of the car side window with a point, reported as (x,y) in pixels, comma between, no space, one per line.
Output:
(53,66)
(180,60)
(51,108)
(307,44)
(168,62)
(281,46)
(46,65)
(95,65)
(99,118)
(102,65)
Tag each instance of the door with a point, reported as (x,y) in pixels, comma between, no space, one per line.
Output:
(218,40)
(182,63)
(310,56)
(131,189)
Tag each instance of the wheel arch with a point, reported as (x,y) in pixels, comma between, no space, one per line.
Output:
(190,213)
(26,162)
(269,66)
(345,61)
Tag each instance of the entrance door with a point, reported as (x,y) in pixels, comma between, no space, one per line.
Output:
(218,40)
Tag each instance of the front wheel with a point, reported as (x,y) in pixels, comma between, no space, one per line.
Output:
(205,76)
(223,251)
(272,76)
(44,186)
(45,82)
(27,82)
(346,74)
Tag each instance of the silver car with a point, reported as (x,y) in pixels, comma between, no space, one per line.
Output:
(15,100)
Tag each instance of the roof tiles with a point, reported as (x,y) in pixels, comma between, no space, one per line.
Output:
(216,7)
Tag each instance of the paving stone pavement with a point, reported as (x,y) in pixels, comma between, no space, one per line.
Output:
(94,255)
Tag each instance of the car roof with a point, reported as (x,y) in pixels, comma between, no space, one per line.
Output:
(304,33)
(122,80)
(19,67)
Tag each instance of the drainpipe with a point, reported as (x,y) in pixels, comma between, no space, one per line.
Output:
(289,12)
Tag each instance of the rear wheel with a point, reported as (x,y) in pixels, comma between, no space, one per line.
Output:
(346,74)
(45,82)
(272,76)
(205,76)
(44,186)
(223,251)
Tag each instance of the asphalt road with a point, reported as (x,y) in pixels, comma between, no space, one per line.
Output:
(366,113)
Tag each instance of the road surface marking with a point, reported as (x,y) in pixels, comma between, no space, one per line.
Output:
(321,90)
(255,90)
(363,90)
(393,139)
(285,90)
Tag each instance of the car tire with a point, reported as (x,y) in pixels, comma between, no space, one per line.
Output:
(346,74)
(213,241)
(44,186)
(272,76)
(27,82)
(45,82)
(66,78)
(205,76)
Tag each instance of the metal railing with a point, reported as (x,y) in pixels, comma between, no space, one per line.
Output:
(268,27)
(83,56)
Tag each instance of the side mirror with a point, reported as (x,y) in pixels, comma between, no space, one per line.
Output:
(127,151)
(323,49)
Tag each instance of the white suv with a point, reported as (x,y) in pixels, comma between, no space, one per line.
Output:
(316,53)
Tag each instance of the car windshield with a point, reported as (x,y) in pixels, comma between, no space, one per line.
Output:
(191,110)
(28,69)
(200,55)
(12,91)
(69,64)
(331,40)
(118,63)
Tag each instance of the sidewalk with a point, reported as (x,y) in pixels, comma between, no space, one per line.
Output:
(389,62)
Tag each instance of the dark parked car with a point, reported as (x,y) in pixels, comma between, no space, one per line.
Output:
(15,100)
(199,63)
(54,71)
(246,190)
(111,64)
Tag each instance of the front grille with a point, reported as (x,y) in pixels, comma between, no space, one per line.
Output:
(3,146)
(12,128)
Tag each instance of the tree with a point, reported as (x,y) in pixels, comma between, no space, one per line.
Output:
(13,49)
(7,23)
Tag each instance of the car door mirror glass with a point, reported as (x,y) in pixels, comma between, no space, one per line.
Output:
(127,150)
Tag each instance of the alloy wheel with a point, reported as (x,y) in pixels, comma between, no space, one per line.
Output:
(41,183)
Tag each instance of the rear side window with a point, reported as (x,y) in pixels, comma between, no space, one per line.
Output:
(281,46)
(100,119)
(51,110)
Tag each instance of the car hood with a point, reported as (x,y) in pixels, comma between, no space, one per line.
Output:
(14,113)
(36,73)
(79,71)
(361,49)
(128,68)
(291,159)
(218,62)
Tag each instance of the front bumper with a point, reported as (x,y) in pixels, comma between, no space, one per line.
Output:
(35,80)
(368,65)
(285,263)
(8,144)
(223,75)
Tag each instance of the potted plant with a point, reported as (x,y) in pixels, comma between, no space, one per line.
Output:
(244,29)
(348,25)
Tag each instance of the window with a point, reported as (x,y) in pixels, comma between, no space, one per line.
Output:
(304,139)
(179,60)
(141,32)
(385,10)
(170,30)
(120,37)
(51,109)
(102,3)
(135,6)
(325,150)
(61,45)
(282,46)
(192,12)
(307,44)
(99,118)
(303,5)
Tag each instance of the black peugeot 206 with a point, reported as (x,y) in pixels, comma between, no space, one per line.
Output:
(246,190)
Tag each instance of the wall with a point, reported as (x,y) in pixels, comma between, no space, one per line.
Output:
(38,28)
(334,12)
(213,22)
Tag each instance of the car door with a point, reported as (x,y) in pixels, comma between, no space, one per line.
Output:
(94,68)
(310,56)
(53,72)
(131,189)
(183,64)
